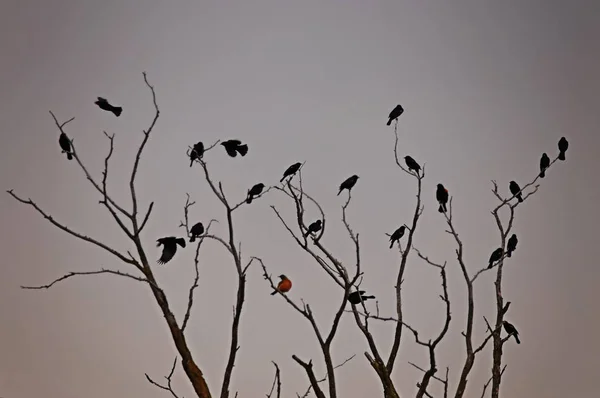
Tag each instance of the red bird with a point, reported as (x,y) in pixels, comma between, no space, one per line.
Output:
(284,285)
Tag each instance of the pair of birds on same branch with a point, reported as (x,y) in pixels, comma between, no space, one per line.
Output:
(497,254)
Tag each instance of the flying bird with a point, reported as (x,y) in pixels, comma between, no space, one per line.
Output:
(412,164)
(106,106)
(395,113)
(254,191)
(511,330)
(356,297)
(397,235)
(196,231)
(169,248)
(313,228)
(441,194)
(283,286)
(65,145)
(496,256)
(544,164)
(515,189)
(511,245)
(563,145)
(290,171)
(196,153)
(233,147)
(348,183)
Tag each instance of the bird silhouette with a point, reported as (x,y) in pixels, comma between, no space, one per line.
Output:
(356,297)
(106,106)
(290,171)
(511,330)
(233,147)
(314,228)
(395,113)
(348,183)
(169,248)
(441,194)
(65,145)
(544,164)
(515,189)
(283,286)
(196,153)
(496,255)
(412,164)
(254,191)
(395,237)
(563,145)
(196,231)
(511,245)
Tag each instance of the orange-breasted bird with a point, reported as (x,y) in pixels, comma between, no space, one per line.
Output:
(283,286)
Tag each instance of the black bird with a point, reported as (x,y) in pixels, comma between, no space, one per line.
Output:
(563,145)
(412,164)
(105,106)
(395,113)
(511,245)
(254,191)
(65,145)
(355,297)
(496,255)
(397,235)
(544,164)
(441,194)
(169,248)
(196,231)
(515,189)
(290,171)
(233,147)
(196,153)
(511,330)
(348,184)
(314,228)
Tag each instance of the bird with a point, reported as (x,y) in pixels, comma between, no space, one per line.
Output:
(496,255)
(65,145)
(348,183)
(314,228)
(511,245)
(283,286)
(356,297)
(105,106)
(395,113)
(290,171)
(233,147)
(412,164)
(544,164)
(563,145)
(197,152)
(254,191)
(511,330)
(169,248)
(441,194)
(196,231)
(397,235)
(515,189)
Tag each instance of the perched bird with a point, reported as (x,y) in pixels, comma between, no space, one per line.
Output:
(313,228)
(233,147)
(441,194)
(283,286)
(290,171)
(395,113)
(169,248)
(412,164)
(511,330)
(356,297)
(544,164)
(348,184)
(105,106)
(515,189)
(496,255)
(511,245)
(395,237)
(65,145)
(563,145)
(196,231)
(254,191)
(196,153)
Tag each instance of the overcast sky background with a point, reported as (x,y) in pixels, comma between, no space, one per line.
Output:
(487,87)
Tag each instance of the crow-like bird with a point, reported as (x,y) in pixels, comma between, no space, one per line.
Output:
(106,106)
(283,286)
(348,183)
(196,231)
(254,191)
(544,164)
(511,245)
(397,235)
(65,145)
(395,113)
(313,228)
(233,147)
(496,255)
(412,164)
(563,145)
(290,171)
(441,194)
(169,248)
(197,152)
(515,189)
(356,297)
(511,330)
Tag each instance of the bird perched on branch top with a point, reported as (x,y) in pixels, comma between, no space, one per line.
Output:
(412,164)
(65,145)
(197,152)
(441,194)
(544,164)
(495,256)
(515,189)
(395,113)
(106,106)
(511,330)
(169,248)
(511,245)
(314,228)
(348,183)
(254,191)
(563,145)
(355,297)
(283,286)
(290,171)
(397,235)
(233,147)
(196,231)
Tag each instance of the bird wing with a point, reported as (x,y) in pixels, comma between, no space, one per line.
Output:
(167,253)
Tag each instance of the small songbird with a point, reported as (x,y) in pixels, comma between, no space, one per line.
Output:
(233,147)
(283,286)
(511,245)
(563,145)
(65,145)
(397,235)
(515,189)
(412,164)
(196,231)
(313,228)
(348,183)
(441,194)
(196,153)
(544,164)
(254,191)
(106,106)
(169,248)
(395,113)
(496,255)
(511,330)
(356,297)
(290,171)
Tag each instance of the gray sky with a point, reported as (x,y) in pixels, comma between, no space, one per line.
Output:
(487,87)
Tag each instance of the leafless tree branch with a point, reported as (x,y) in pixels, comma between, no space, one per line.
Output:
(169,386)
(85,273)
